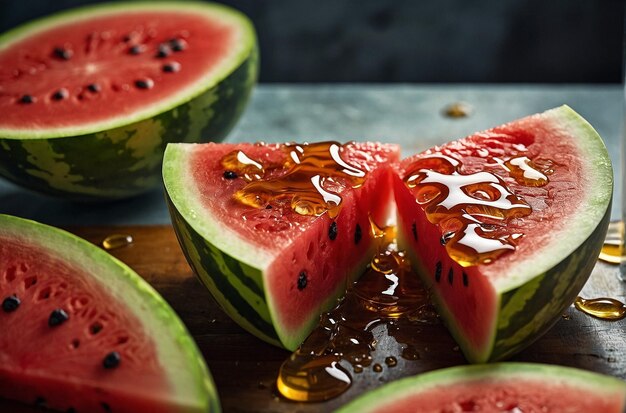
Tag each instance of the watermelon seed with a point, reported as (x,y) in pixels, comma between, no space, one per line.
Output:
(302,280)
(75,343)
(163,50)
(171,67)
(40,402)
(57,317)
(105,407)
(332,231)
(137,49)
(450,276)
(63,53)
(178,45)
(446,237)
(414,231)
(438,271)
(95,328)
(230,175)
(268,206)
(146,83)
(111,360)
(465,279)
(93,87)
(10,304)
(60,94)
(358,234)
(27,99)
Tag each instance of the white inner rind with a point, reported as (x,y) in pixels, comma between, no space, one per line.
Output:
(242,46)
(596,189)
(178,355)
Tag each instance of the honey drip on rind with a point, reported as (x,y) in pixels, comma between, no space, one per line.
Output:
(314,175)
(387,296)
(603,308)
(472,210)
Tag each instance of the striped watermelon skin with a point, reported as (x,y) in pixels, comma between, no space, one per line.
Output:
(496,310)
(236,286)
(126,161)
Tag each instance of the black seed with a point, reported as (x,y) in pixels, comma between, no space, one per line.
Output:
(358,234)
(414,231)
(171,67)
(57,317)
(60,94)
(146,83)
(302,280)
(268,206)
(111,360)
(10,304)
(40,402)
(95,328)
(105,407)
(465,279)
(27,99)
(163,50)
(450,275)
(93,87)
(230,175)
(63,53)
(178,45)
(446,237)
(137,49)
(332,231)
(438,271)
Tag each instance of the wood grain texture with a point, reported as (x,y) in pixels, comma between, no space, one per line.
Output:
(245,368)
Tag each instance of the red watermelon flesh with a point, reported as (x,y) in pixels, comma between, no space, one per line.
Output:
(101,61)
(498,304)
(63,366)
(500,387)
(272,269)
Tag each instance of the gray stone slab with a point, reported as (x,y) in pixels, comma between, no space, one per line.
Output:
(410,115)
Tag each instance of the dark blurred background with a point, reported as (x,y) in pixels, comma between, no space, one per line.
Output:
(563,41)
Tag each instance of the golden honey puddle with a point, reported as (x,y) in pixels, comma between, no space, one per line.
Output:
(603,308)
(315,174)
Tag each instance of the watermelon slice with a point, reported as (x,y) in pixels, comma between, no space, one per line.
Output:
(81,332)
(499,387)
(91,97)
(272,269)
(505,226)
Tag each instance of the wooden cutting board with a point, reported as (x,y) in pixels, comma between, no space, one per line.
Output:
(245,368)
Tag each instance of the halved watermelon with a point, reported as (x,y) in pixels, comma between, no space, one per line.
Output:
(272,269)
(81,332)
(505,226)
(90,97)
(498,387)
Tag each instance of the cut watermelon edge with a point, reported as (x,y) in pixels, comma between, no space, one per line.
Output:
(176,349)
(245,48)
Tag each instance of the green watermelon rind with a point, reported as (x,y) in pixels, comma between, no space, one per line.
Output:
(246,47)
(179,356)
(581,380)
(534,293)
(119,161)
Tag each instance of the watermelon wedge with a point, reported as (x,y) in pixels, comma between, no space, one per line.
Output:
(498,387)
(81,332)
(505,226)
(90,97)
(299,232)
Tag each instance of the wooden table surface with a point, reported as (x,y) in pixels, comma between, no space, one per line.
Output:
(245,368)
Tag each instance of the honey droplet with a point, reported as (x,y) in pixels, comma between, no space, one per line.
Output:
(313,379)
(457,110)
(377,368)
(602,308)
(115,241)
(391,361)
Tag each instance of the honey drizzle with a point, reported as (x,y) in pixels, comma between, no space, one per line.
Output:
(472,210)
(387,296)
(315,174)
